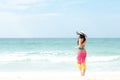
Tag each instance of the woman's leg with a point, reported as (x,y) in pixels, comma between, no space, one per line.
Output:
(83,72)
(83,69)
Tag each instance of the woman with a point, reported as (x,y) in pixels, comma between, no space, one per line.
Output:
(81,58)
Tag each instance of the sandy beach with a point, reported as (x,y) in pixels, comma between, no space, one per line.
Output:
(59,76)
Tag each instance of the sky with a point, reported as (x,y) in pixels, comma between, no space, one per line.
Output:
(59,18)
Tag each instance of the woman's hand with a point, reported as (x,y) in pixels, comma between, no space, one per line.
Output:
(76,47)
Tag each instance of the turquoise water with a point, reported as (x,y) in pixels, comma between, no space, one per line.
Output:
(57,54)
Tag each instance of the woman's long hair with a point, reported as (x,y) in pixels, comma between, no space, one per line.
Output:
(81,36)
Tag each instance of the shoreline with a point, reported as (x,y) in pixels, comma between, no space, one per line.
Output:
(59,76)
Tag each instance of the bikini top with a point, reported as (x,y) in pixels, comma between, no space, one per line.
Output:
(83,47)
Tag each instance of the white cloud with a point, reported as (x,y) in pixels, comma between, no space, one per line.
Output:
(22,4)
(27,1)
(36,4)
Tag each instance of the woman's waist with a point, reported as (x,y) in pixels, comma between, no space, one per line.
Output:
(82,51)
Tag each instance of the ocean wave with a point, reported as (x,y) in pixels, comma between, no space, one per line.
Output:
(22,57)
(102,58)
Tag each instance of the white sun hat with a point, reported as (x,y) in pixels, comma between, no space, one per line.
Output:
(81,32)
